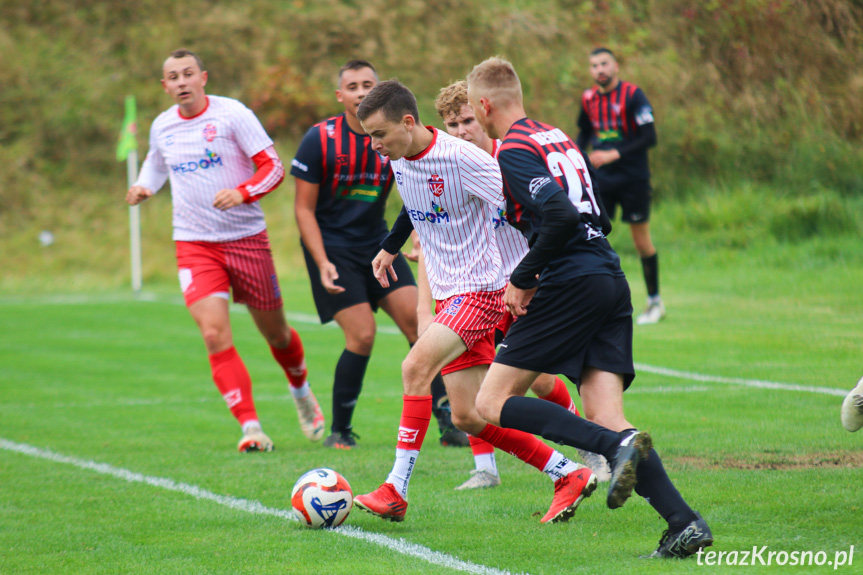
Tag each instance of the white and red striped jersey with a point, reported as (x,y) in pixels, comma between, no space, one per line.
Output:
(511,242)
(203,155)
(451,192)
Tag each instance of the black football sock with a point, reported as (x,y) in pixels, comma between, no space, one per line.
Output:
(656,487)
(438,393)
(348,382)
(650,266)
(557,424)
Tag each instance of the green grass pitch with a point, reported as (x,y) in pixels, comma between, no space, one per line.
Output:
(117,454)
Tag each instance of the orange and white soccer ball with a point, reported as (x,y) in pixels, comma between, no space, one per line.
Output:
(322,498)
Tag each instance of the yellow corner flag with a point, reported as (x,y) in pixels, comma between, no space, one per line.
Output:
(128,141)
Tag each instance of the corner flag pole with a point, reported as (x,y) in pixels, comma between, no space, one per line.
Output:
(127,149)
(134,223)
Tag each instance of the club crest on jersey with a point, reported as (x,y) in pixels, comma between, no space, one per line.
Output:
(437,215)
(399,179)
(331,131)
(209,132)
(384,159)
(616,108)
(436,185)
(341,161)
(453,307)
(500,220)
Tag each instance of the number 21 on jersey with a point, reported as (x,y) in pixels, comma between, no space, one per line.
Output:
(573,168)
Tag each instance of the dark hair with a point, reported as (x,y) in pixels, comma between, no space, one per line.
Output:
(603,50)
(182,53)
(357,65)
(393,99)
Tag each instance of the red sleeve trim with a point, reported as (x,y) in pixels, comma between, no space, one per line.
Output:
(267,178)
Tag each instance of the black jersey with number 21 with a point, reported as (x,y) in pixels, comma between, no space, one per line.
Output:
(538,161)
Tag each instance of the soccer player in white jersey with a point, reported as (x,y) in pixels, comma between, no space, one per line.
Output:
(220,162)
(459,120)
(450,190)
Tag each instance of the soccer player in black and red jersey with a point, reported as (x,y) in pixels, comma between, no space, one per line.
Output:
(342,189)
(573,306)
(616,121)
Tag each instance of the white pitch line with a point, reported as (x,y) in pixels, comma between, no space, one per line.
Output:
(310,319)
(757,383)
(252,506)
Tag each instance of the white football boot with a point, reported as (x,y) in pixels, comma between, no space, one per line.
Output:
(655,311)
(311,417)
(480,479)
(852,408)
(254,439)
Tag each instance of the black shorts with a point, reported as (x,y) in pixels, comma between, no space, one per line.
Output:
(355,275)
(634,201)
(583,323)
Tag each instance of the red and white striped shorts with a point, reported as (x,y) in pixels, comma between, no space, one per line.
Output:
(473,316)
(244,266)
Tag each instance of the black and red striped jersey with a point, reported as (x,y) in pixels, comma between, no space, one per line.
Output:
(538,161)
(354,180)
(618,120)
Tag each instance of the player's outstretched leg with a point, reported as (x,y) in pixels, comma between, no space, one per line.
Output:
(552,388)
(572,482)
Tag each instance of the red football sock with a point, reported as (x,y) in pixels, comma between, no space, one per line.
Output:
(523,445)
(292,359)
(232,379)
(560,395)
(416,414)
(480,446)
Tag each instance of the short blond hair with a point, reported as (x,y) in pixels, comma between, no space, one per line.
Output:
(451,99)
(496,79)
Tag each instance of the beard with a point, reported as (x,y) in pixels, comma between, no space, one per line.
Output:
(604,81)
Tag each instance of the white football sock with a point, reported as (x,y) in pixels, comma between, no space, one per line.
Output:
(300,392)
(251,423)
(558,466)
(403,467)
(486,461)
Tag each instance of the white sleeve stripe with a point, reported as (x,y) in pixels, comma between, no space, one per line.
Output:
(273,178)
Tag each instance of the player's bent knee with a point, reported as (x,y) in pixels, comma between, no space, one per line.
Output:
(488,408)
(416,376)
(467,420)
